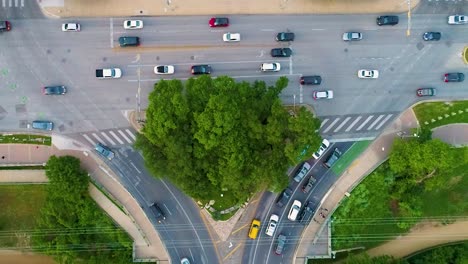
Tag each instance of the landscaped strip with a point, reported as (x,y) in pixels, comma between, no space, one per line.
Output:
(25,139)
(435,114)
(353,152)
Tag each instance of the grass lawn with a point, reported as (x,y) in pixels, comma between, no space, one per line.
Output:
(20,204)
(222,203)
(25,139)
(356,149)
(426,112)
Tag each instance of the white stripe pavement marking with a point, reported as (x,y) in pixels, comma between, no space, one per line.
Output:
(130,133)
(16,3)
(383,121)
(97,137)
(125,136)
(342,124)
(22,3)
(108,138)
(365,122)
(116,137)
(324,122)
(89,140)
(10,3)
(111,32)
(3,3)
(331,125)
(375,122)
(353,123)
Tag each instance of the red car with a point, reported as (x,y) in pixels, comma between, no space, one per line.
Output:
(219,22)
(5,26)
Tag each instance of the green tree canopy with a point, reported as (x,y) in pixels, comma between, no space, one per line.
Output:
(218,133)
(70,225)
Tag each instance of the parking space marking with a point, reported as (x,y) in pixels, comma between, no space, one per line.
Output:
(353,123)
(365,122)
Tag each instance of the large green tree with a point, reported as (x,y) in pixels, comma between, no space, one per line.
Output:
(213,134)
(70,226)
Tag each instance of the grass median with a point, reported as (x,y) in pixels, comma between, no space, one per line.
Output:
(25,139)
(435,114)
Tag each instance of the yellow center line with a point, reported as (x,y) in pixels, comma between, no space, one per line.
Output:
(239,229)
(230,253)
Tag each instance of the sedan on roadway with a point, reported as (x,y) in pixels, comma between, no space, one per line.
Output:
(352,36)
(322,94)
(428,36)
(325,144)
(281,243)
(457,19)
(284,197)
(387,20)
(42,125)
(54,90)
(272,225)
(270,67)
(201,69)
(454,77)
(133,24)
(281,52)
(104,151)
(71,27)
(231,37)
(368,74)
(219,22)
(184,261)
(5,26)
(294,211)
(285,36)
(164,69)
(426,92)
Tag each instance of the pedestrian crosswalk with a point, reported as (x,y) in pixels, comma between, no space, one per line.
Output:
(348,124)
(12,3)
(111,137)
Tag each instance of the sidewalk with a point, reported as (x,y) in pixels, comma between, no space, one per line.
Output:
(121,8)
(147,244)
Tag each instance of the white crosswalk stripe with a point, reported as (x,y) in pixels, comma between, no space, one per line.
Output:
(130,134)
(22,3)
(365,122)
(16,3)
(10,2)
(97,137)
(3,3)
(331,125)
(324,122)
(342,124)
(375,122)
(89,139)
(116,137)
(123,135)
(108,138)
(353,123)
(383,121)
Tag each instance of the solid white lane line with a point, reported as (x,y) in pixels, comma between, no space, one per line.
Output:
(342,124)
(246,76)
(365,122)
(125,136)
(89,139)
(383,121)
(108,138)
(331,125)
(130,133)
(116,137)
(375,122)
(353,123)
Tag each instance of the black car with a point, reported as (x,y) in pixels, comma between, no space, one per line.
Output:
(313,80)
(387,20)
(5,26)
(158,213)
(54,90)
(285,36)
(129,41)
(307,212)
(281,52)
(432,36)
(281,243)
(201,69)
(333,158)
(454,77)
(284,197)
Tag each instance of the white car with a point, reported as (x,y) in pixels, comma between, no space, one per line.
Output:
(272,225)
(325,144)
(273,67)
(133,24)
(368,74)
(164,69)
(322,94)
(71,27)
(457,19)
(294,211)
(352,36)
(184,261)
(231,37)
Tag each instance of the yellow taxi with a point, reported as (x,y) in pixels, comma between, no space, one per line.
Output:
(254,228)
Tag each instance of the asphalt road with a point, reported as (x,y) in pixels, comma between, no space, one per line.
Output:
(183,232)
(36,53)
(262,249)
